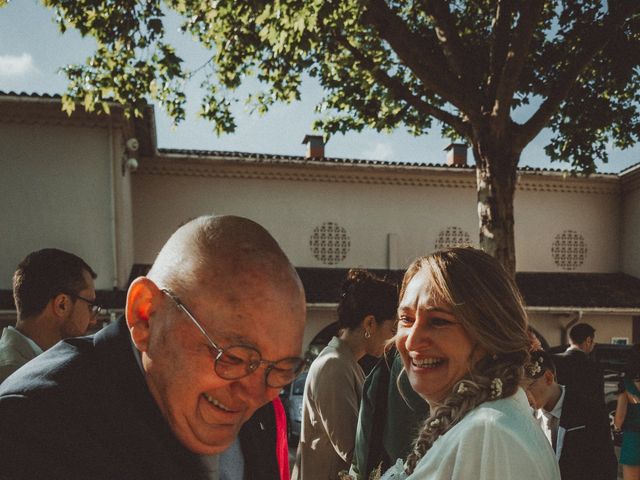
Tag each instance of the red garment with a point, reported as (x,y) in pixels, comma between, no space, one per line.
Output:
(282,445)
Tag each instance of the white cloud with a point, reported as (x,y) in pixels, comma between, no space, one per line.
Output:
(379,151)
(16,65)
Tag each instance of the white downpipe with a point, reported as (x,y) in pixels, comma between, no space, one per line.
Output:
(114,217)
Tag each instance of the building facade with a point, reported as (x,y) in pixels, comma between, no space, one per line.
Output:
(99,186)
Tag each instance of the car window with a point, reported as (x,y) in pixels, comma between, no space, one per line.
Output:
(298,385)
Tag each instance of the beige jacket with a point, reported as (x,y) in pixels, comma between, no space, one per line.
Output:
(330,414)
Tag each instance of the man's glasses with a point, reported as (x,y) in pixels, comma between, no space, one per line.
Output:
(94,308)
(238,361)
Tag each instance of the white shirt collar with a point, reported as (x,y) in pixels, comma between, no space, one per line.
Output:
(557,409)
(34,346)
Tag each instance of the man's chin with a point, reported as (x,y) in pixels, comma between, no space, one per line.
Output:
(209,445)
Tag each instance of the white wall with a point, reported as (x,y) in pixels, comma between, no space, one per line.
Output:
(55,193)
(631,232)
(541,215)
(291,210)
(317,320)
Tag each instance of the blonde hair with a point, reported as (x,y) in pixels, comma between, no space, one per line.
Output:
(486,300)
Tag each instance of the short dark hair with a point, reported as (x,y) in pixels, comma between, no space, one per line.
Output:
(580,332)
(42,275)
(363,293)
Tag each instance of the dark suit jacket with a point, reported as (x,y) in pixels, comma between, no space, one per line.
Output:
(584,439)
(576,371)
(82,410)
(258,438)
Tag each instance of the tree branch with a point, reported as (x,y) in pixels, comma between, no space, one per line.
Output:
(499,44)
(457,57)
(425,63)
(402,92)
(594,40)
(515,60)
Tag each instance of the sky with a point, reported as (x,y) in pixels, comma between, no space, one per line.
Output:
(32,51)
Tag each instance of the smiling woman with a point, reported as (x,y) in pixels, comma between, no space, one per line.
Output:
(462,337)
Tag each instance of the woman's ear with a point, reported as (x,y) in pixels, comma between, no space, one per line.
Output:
(369,323)
(142,299)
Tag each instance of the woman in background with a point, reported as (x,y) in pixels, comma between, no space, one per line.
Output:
(627,417)
(366,321)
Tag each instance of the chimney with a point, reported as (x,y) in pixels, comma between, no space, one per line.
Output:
(457,154)
(315,146)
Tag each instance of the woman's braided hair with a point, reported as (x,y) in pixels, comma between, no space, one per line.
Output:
(485,299)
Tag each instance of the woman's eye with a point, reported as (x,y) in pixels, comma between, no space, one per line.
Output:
(404,321)
(440,322)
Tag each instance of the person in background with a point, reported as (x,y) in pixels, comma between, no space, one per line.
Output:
(261,450)
(333,390)
(627,417)
(576,426)
(575,370)
(391,413)
(55,298)
(209,335)
(462,335)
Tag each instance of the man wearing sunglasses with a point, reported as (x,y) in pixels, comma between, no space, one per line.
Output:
(209,335)
(55,296)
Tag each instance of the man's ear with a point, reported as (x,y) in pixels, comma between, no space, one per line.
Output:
(142,299)
(61,305)
(549,377)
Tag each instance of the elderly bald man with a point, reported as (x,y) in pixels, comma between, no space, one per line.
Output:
(209,335)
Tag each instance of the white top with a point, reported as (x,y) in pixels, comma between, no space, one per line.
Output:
(550,421)
(497,440)
(34,346)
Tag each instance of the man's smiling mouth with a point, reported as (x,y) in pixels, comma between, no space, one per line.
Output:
(216,403)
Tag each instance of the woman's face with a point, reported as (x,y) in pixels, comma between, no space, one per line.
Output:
(435,348)
(381,333)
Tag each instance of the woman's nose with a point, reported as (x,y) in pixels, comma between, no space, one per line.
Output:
(419,335)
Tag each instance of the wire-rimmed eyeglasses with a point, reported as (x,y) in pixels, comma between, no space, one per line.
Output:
(238,361)
(95,309)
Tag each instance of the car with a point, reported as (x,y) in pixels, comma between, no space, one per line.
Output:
(291,397)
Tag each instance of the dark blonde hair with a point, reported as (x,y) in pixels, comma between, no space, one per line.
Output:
(486,301)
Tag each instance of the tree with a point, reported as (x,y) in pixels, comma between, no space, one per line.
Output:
(468,65)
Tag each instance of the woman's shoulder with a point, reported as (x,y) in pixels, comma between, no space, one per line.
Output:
(485,437)
(332,362)
(631,386)
(508,418)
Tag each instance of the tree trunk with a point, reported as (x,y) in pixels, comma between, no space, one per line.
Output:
(496,170)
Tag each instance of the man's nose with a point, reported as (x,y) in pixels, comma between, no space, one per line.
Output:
(253,389)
